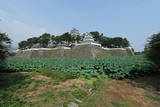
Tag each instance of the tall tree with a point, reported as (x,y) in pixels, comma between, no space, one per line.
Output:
(96,35)
(152,48)
(23,45)
(5,42)
(44,39)
(125,43)
(32,41)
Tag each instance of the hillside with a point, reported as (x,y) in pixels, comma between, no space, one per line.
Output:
(38,89)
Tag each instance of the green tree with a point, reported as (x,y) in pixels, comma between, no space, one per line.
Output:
(23,45)
(125,43)
(152,48)
(5,42)
(78,38)
(104,41)
(116,42)
(53,37)
(119,42)
(57,39)
(32,41)
(44,39)
(67,37)
(96,35)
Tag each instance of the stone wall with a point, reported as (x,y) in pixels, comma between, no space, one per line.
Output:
(82,51)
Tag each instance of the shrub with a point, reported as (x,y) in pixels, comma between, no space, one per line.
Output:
(152,48)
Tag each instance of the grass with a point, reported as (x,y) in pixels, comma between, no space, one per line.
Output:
(73,86)
(149,82)
(9,84)
(59,76)
(80,94)
(117,104)
(35,89)
(154,98)
(97,87)
(46,89)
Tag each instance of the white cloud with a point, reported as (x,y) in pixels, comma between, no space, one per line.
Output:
(17,30)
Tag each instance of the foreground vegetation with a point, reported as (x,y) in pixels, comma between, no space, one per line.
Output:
(114,67)
(45,89)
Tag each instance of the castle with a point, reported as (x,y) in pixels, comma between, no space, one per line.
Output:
(86,48)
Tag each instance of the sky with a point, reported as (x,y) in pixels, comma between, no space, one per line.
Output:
(135,20)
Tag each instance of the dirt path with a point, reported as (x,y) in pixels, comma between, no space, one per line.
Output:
(124,94)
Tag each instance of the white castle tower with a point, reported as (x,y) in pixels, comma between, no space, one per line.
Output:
(74,32)
(88,40)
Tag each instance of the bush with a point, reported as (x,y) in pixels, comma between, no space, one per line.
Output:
(153,48)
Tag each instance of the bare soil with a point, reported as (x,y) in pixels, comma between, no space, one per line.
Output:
(128,93)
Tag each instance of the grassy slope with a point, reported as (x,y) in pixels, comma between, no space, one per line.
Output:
(35,89)
(45,89)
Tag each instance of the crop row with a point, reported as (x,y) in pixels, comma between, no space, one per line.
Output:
(114,67)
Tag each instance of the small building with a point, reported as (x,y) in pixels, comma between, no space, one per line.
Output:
(88,39)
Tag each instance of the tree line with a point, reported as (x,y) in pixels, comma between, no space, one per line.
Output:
(47,40)
(115,42)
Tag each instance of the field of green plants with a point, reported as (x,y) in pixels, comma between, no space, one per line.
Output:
(115,67)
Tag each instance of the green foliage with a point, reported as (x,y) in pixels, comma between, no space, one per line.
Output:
(114,67)
(13,102)
(153,48)
(154,98)
(9,85)
(23,45)
(5,42)
(116,42)
(96,35)
(67,39)
(44,40)
(80,94)
(59,76)
(99,84)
